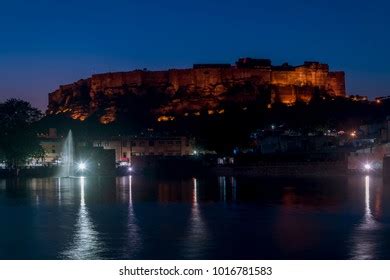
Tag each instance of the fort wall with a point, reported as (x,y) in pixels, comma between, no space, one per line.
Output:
(204,78)
(290,83)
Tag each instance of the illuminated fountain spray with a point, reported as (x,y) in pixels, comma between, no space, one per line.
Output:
(68,156)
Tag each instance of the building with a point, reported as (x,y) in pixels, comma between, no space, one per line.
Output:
(275,143)
(51,145)
(98,160)
(128,147)
(368,158)
(385,132)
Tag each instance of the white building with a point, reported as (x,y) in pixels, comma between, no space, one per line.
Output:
(127,147)
(52,146)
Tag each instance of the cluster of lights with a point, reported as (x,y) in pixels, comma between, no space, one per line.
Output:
(82,166)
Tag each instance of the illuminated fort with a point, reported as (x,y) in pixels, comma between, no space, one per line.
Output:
(203,86)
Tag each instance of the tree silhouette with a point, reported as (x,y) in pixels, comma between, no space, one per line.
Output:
(18,138)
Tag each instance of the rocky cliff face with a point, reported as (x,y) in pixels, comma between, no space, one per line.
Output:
(188,91)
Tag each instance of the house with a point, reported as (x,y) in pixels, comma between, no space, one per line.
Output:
(52,145)
(128,147)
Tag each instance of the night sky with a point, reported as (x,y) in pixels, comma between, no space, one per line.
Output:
(45,43)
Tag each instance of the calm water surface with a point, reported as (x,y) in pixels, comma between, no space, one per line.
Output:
(200,218)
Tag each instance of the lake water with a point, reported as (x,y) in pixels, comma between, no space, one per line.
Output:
(197,218)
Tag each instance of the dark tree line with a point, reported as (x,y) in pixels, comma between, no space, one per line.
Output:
(18,136)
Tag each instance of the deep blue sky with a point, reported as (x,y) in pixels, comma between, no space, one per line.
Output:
(45,43)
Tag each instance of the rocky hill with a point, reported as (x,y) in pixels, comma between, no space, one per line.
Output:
(205,87)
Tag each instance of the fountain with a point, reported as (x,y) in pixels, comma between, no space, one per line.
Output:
(67,169)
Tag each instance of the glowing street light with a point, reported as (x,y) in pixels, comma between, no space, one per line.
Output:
(367,167)
(82,166)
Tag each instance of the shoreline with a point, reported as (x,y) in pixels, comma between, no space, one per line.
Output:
(262,171)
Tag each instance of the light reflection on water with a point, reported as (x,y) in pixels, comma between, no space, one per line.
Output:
(198,235)
(364,239)
(85,243)
(200,218)
(222,187)
(59,191)
(234,188)
(133,239)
